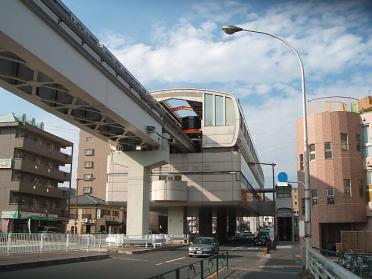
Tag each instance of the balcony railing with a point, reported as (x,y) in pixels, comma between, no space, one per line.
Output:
(31,146)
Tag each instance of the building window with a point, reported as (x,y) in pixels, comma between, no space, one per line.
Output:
(88,176)
(367,151)
(89,139)
(303,205)
(361,187)
(328,150)
(89,152)
(330,196)
(344,141)
(219,113)
(365,134)
(357,142)
(347,187)
(230,112)
(301,162)
(312,152)
(87,190)
(314,196)
(208,110)
(15,198)
(88,164)
(369,177)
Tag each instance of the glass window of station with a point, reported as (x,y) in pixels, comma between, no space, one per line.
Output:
(218,110)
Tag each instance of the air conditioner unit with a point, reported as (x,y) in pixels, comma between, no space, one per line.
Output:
(92,221)
(85,220)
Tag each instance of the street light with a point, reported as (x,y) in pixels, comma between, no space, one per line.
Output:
(76,195)
(273,173)
(231,29)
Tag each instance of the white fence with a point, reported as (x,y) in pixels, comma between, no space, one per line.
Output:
(19,243)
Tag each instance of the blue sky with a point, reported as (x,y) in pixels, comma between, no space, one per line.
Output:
(169,44)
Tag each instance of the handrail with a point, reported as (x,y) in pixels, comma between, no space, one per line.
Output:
(320,265)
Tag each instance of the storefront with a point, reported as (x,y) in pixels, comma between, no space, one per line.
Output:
(28,222)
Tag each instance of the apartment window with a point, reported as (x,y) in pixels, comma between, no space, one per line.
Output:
(312,152)
(89,139)
(369,177)
(328,150)
(347,187)
(301,162)
(344,141)
(357,142)
(115,213)
(365,134)
(88,176)
(361,187)
(303,205)
(330,196)
(88,164)
(230,112)
(87,190)
(314,196)
(15,198)
(89,152)
(219,110)
(208,110)
(367,151)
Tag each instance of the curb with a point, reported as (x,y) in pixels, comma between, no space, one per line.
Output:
(40,263)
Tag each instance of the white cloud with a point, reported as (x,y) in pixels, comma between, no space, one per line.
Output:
(334,40)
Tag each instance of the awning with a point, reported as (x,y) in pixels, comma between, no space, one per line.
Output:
(43,218)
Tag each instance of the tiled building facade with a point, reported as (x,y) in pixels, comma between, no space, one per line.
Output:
(339,172)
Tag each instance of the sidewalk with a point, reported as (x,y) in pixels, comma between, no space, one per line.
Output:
(283,263)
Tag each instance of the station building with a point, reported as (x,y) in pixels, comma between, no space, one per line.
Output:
(213,183)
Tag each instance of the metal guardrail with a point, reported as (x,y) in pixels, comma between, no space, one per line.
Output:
(200,269)
(20,243)
(324,268)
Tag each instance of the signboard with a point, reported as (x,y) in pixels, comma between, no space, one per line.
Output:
(25,215)
(10,214)
(282,184)
(282,177)
(5,163)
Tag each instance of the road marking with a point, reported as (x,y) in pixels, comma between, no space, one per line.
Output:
(130,259)
(236,248)
(169,261)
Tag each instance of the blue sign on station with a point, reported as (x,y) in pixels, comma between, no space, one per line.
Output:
(282,177)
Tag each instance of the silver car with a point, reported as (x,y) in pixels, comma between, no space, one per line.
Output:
(203,246)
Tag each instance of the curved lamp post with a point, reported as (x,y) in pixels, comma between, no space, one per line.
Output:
(231,29)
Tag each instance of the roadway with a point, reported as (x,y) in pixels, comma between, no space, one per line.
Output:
(243,260)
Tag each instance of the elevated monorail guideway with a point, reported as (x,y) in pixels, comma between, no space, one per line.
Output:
(48,57)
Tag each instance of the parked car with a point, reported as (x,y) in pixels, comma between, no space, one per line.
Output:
(203,246)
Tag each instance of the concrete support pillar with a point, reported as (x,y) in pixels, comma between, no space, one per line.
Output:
(176,220)
(221,224)
(138,199)
(232,223)
(205,222)
(139,166)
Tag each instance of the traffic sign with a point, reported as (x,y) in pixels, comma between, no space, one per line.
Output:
(282,177)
